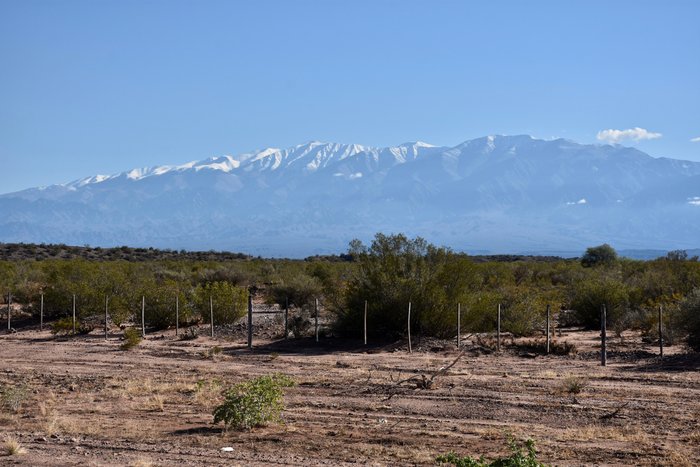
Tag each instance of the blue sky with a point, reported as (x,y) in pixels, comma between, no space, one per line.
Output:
(91,87)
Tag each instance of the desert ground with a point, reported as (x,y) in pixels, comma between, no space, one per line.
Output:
(83,401)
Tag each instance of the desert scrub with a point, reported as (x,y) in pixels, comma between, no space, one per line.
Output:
(132,338)
(12,447)
(519,457)
(573,385)
(12,397)
(253,403)
(64,326)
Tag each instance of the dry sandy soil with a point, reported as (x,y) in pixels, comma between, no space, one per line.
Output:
(89,403)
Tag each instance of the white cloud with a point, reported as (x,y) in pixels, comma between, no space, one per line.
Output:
(695,140)
(634,134)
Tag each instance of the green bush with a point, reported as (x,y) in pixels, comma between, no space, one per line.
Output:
(253,403)
(229,301)
(132,338)
(517,458)
(602,255)
(587,297)
(690,315)
(64,326)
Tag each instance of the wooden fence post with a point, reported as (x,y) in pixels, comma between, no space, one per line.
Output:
(250,320)
(286,317)
(410,349)
(73,314)
(365,322)
(548,326)
(41,314)
(143,316)
(498,329)
(661,333)
(459,326)
(316,317)
(9,312)
(211,315)
(106,311)
(603,331)
(177,315)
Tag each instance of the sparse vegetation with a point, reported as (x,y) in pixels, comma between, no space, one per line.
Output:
(132,338)
(573,385)
(523,455)
(12,447)
(12,396)
(388,273)
(253,403)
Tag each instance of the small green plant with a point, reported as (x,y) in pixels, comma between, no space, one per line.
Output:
(132,338)
(521,455)
(253,403)
(12,397)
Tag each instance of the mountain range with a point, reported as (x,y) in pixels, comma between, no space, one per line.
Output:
(496,194)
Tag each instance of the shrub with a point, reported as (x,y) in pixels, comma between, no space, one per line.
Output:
(517,458)
(132,338)
(229,301)
(253,403)
(300,323)
(12,397)
(396,270)
(589,295)
(12,447)
(573,385)
(64,326)
(690,317)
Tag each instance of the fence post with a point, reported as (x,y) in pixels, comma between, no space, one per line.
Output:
(250,320)
(548,338)
(286,317)
(498,329)
(143,316)
(459,326)
(73,314)
(9,304)
(177,314)
(106,310)
(410,349)
(211,315)
(316,317)
(41,314)
(365,322)
(661,334)
(603,331)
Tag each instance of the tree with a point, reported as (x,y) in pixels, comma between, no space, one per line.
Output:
(602,255)
(394,271)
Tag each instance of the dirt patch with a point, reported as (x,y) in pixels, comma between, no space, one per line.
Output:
(85,402)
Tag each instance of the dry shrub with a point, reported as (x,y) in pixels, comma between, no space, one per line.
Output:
(573,384)
(13,396)
(12,447)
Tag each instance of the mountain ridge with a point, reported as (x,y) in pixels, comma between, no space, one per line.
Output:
(496,193)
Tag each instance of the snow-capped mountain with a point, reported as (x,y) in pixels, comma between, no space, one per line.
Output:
(497,193)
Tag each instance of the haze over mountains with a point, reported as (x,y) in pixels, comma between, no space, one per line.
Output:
(496,194)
